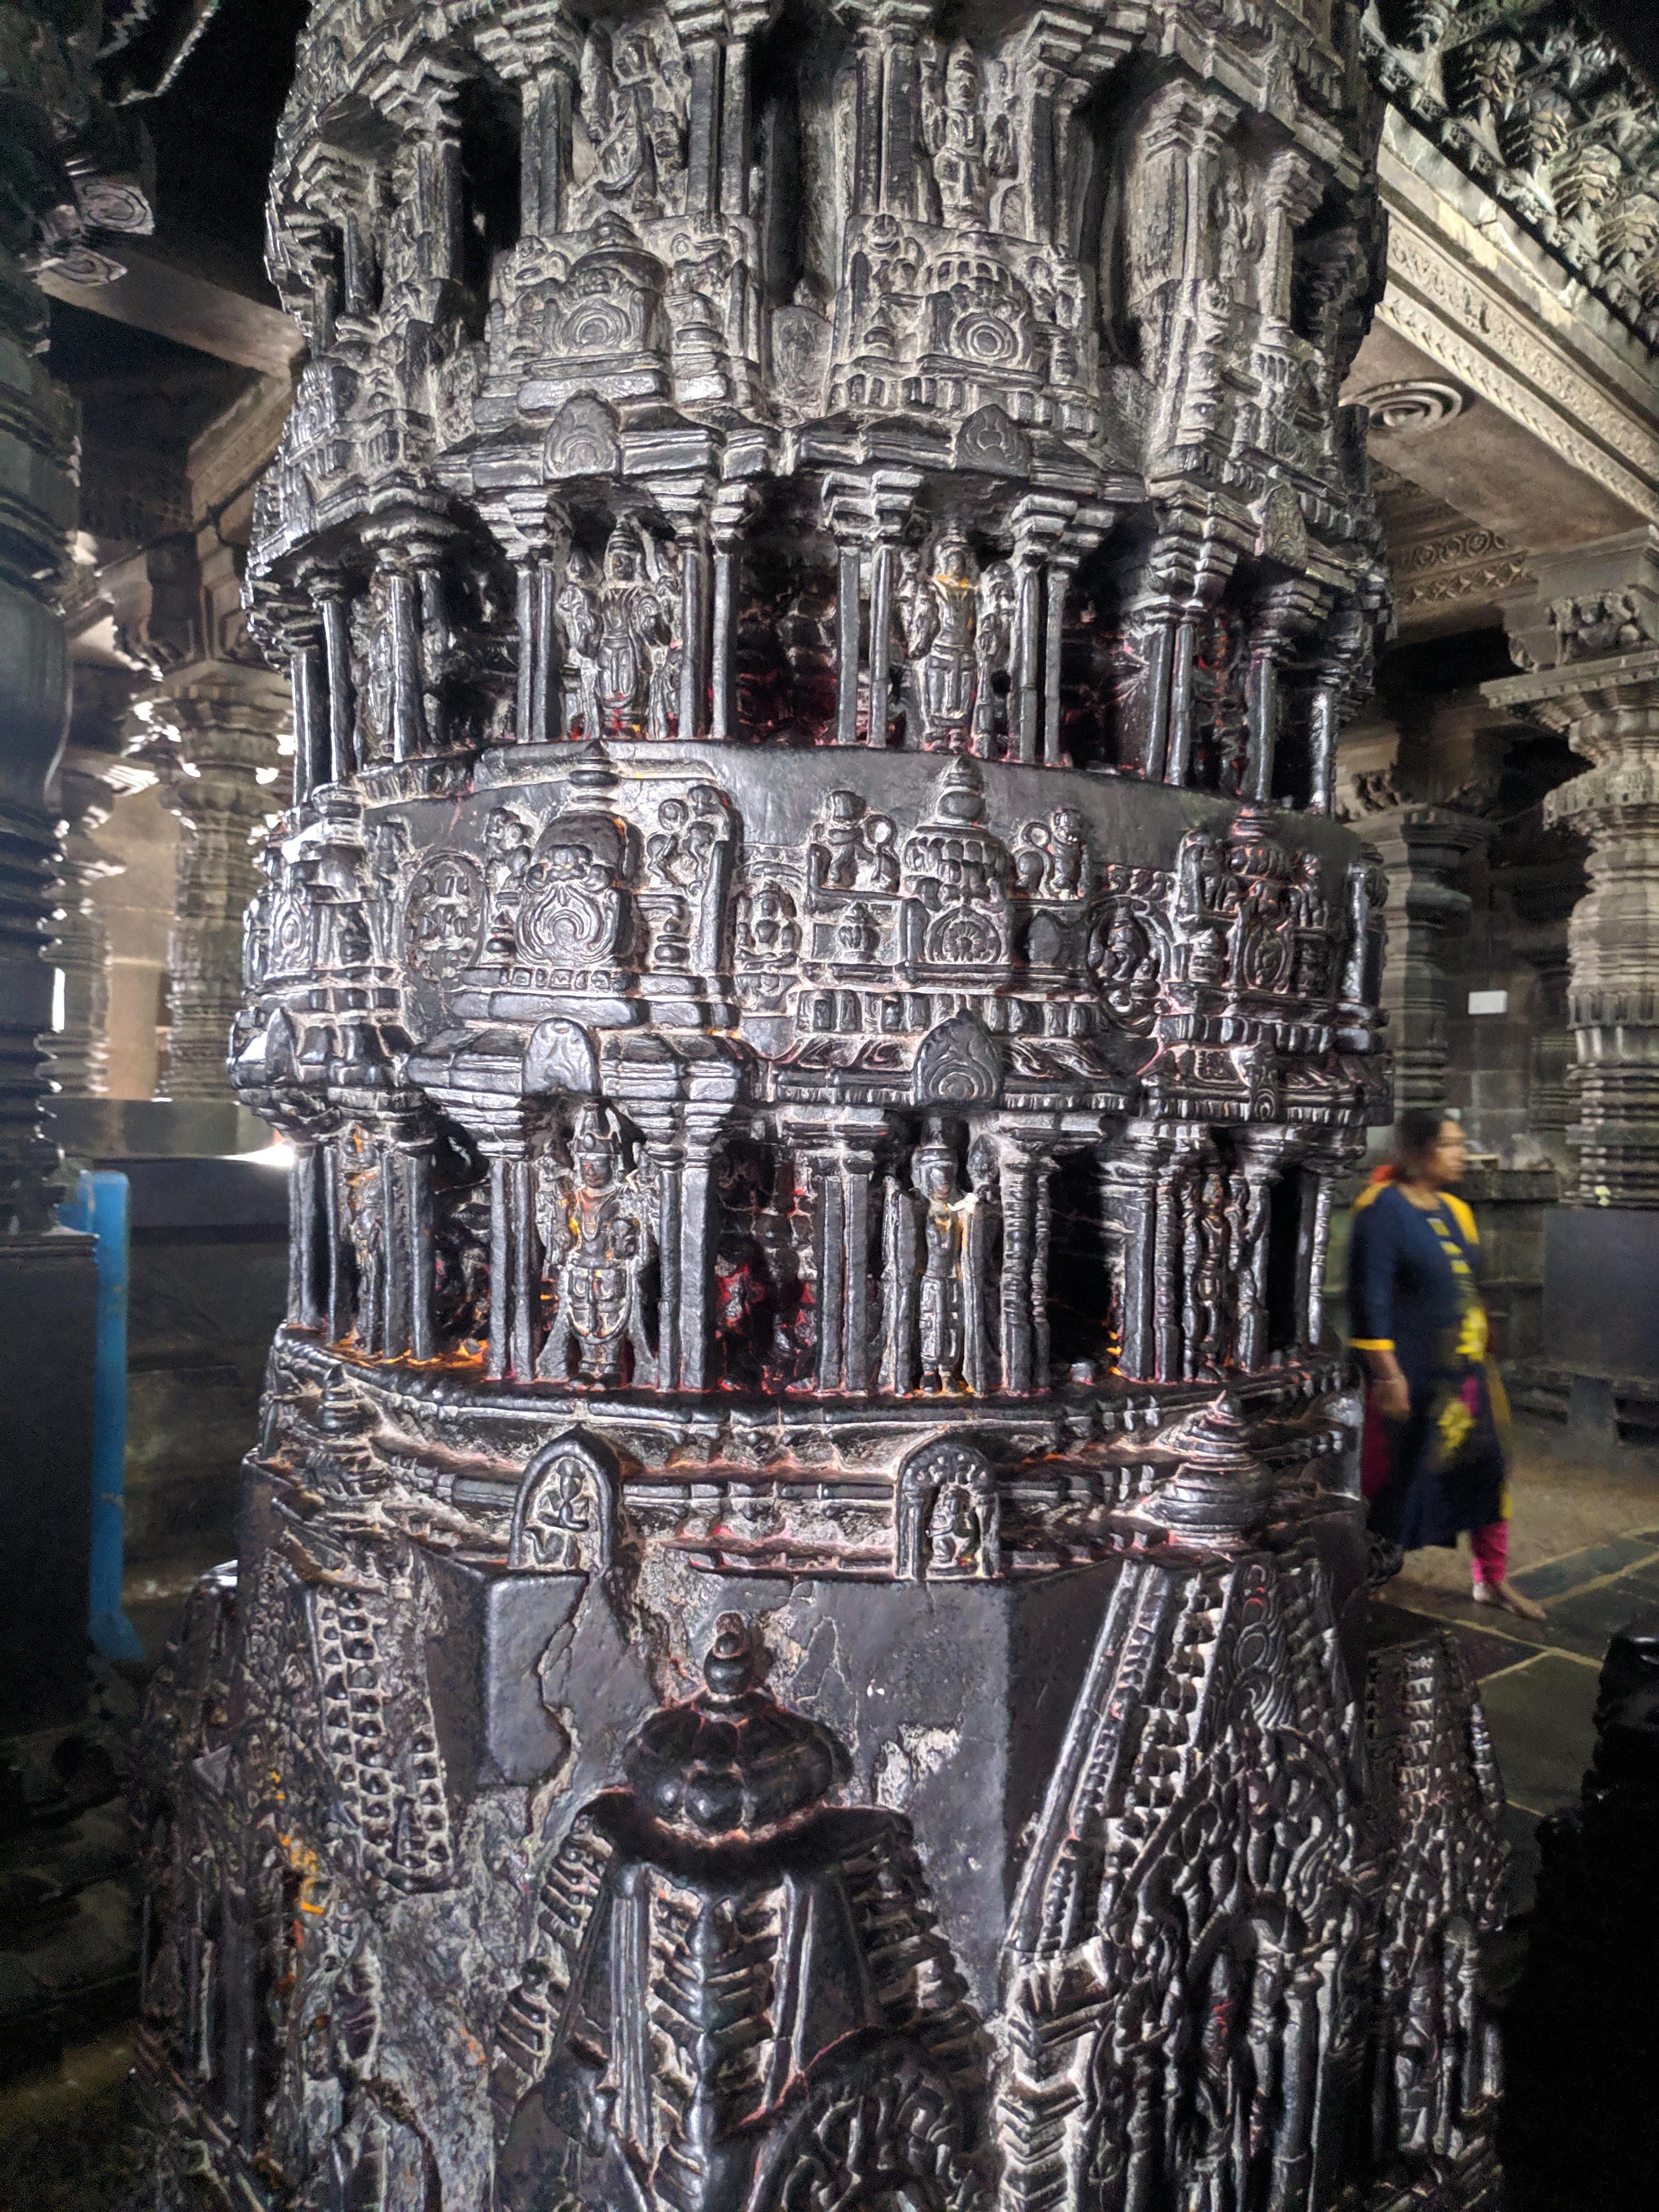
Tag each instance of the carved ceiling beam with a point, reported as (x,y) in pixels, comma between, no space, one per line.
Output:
(1538,107)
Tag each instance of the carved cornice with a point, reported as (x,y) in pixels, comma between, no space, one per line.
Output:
(1464,322)
(1536,104)
(1567,697)
(1466,563)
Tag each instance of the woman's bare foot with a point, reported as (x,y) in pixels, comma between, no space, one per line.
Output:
(1506,1596)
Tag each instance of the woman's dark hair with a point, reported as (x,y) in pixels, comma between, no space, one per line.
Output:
(1417,1132)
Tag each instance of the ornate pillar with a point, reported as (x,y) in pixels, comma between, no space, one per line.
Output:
(71,162)
(1422,849)
(792,1099)
(95,771)
(1590,644)
(215,750)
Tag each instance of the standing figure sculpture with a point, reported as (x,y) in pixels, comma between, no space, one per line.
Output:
(620,640)
(950,1302)
(970,154)
(939,598)
(596,1236)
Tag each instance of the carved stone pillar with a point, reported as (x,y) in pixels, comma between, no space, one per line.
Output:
(216,751)
(1554,1056)
(1423,848)
(793,1095)
(1591,642)
(71,163)
(93,773)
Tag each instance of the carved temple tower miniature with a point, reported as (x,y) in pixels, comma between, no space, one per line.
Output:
(819,1007)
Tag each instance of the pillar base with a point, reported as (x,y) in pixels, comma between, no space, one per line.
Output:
(48,1323)
(1602,1291)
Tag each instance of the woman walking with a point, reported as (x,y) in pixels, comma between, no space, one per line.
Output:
(1436,1422)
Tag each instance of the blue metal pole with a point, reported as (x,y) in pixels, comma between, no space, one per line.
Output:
(101,1206)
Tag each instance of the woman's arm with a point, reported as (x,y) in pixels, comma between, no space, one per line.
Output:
(1372,1259)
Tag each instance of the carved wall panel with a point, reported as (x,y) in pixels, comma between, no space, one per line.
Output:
(819,1006)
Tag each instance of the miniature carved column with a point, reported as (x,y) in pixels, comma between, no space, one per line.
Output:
(1423,848)
(410,555)
(866,515)
(402,1164)
(215,749)
(544,160)
(1129,1205)
(730,507)
(1207,572)
(515,1257)
(309,1215)
(843,1153)
(330,592)
(1026,1163)
(1284,611)
(301,632)
(1321,1167)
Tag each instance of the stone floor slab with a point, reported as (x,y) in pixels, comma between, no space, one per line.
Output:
(1541,1715)
(1557,1577)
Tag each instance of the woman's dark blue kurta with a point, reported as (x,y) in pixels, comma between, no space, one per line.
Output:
(1411,1289)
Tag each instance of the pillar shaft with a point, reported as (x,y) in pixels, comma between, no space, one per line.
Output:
(1423,848)
(215,729)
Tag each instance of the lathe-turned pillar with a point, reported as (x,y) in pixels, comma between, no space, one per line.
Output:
(1591,643)
(216,750)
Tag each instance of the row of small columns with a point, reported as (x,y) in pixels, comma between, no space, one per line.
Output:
(867,515)
(318,642)
(392,1315)
(1144,1182)
(1286,613)
(679,1158)
(421,100)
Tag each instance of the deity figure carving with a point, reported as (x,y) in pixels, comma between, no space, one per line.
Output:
(971,154)
(372,652)
(939,595)
(769,935)
(851,848)
(598,1243)
(1051,858)
(1125,966)
(947,1517)
(563,1517)
(1205,904)
(955,1259)
(994,656)
(632,86)
(691,852)
(508,842)
(1311,916)
(365,1198)
(621,634)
